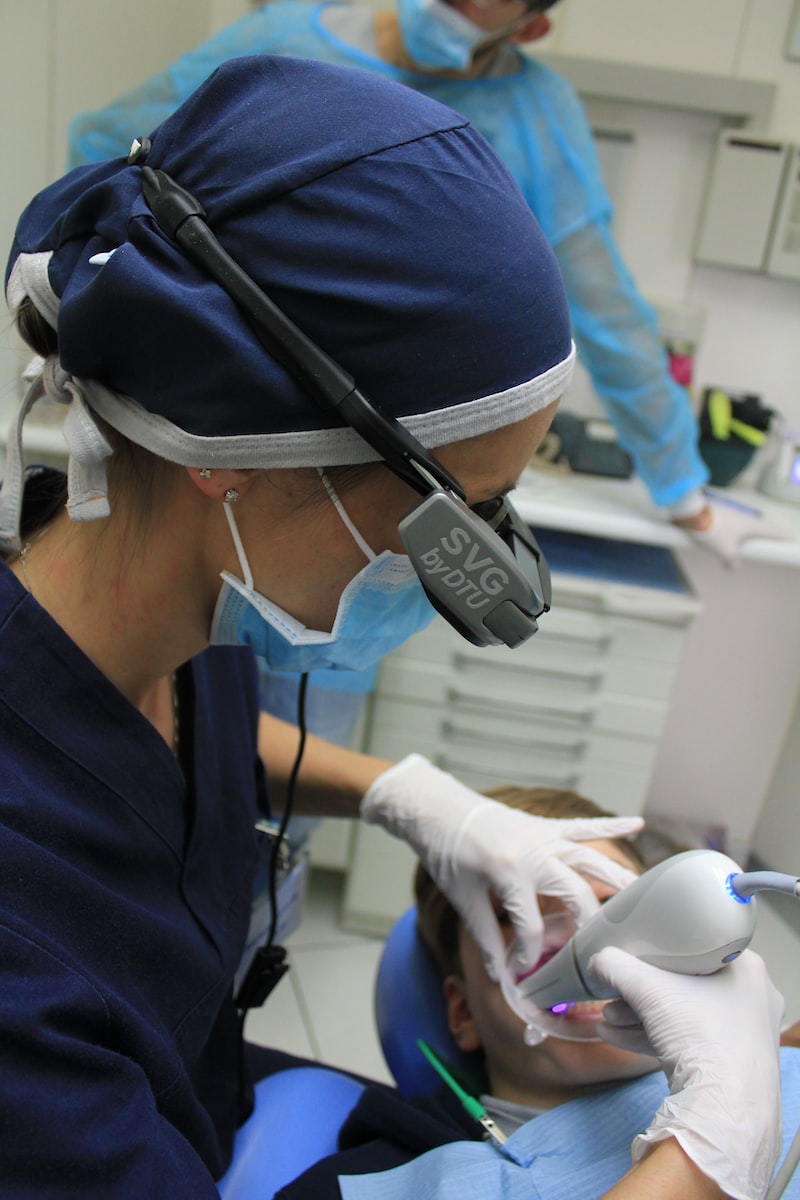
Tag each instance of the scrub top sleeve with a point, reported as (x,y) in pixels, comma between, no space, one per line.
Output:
(78,1118)
(616,333)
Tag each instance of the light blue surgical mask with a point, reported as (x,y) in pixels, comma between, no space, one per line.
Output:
(381,607)
(436,35)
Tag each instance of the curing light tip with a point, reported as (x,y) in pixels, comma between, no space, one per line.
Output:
(731,890)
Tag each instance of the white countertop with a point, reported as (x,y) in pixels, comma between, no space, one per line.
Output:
(621,508)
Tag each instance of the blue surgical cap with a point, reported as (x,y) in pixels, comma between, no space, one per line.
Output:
(379,220)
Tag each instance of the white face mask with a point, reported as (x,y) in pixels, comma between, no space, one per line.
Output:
(381,607)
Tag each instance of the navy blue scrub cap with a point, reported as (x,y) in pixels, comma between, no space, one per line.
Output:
(379,220)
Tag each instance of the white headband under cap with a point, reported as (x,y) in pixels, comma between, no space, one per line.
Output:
(29,277)
(87,485)
(339,446)
(336,447)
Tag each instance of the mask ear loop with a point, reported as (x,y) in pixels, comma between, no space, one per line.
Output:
(237,541)
(368,553)
(247,574)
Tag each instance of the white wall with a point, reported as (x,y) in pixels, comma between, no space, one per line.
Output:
(691,34)
(59,58)
(751,335)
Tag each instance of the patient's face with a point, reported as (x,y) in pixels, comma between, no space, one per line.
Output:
(554,1071)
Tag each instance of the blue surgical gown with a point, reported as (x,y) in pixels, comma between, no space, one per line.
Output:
(536,124)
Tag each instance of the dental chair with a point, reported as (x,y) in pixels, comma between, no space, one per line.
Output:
(296,1122)
(299,1112)
(408,1005)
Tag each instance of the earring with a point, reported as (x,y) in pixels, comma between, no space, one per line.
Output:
(231,496)
(205,472)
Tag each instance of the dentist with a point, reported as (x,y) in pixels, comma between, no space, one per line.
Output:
(217,504)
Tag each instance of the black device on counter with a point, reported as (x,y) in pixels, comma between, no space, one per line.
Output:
(587,445)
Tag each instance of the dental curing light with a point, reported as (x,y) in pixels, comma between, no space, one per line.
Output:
(692,913)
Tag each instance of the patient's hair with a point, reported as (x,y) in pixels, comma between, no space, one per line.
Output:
(437,920)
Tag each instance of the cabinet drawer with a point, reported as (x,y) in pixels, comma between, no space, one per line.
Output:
(554,696)
(617,786)
(499,736)
(568,633)
(583,656)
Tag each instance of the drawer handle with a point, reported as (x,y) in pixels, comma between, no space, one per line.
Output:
(593,645)
(460,736)
(480,705)
(460,768)
(591,681)
(677,610)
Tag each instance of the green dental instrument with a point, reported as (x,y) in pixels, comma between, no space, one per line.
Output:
(472,1106)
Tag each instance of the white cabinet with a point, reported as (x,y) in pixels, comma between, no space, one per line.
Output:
(690,35)
(580,706)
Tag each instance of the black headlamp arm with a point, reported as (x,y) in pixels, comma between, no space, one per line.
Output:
(399,448)
(183,218)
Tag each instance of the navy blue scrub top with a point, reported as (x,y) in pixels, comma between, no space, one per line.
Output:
(124,903)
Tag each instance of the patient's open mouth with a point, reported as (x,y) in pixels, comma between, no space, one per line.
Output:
(588,1011)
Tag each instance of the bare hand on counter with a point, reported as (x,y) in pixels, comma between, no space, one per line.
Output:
(723,525)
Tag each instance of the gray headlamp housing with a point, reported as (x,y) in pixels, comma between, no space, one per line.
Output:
(471,575)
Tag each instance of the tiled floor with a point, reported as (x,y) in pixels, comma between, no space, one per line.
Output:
(322,1008)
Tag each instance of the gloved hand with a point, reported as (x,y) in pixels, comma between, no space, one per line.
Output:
(469,844)
(716,1037)
(730,524)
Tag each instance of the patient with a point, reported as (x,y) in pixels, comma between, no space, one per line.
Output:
(386,1130)
(589,1099)
(524,1080)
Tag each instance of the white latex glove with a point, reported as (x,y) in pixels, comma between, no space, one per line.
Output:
(469,844)
(732,524)
(716,1037)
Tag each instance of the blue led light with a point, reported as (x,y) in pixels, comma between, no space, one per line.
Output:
(729,888)
(559,1008)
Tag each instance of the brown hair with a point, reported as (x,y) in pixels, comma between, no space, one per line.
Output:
(438,922)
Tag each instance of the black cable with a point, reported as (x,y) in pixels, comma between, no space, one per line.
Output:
(269,964)
(287,810)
